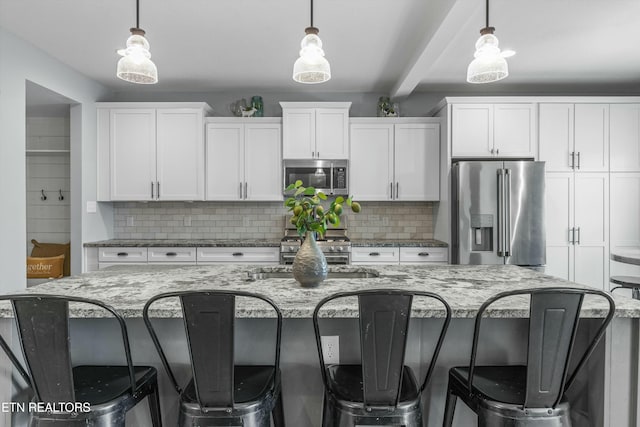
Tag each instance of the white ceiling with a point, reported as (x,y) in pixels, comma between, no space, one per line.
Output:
(390,47)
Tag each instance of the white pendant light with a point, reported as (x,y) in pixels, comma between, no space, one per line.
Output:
(489,64)
(312,67)
(135,66)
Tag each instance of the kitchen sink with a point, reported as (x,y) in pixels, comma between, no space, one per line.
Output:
(359,274)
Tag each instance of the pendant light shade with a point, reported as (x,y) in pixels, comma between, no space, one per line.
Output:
(489,64)
(135,66)
(312,67)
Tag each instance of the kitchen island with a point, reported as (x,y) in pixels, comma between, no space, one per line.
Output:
(595,401)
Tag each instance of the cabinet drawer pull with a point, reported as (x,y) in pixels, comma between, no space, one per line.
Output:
(122,254)
(423,254)
(171,254)
(374,253)
(237,254)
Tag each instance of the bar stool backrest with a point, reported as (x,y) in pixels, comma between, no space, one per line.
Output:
(384,320)
(209,322)
(209,318)
(43,329)
(383,324)
(554,315)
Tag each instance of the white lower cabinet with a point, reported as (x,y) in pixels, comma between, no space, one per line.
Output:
(242,255)
(186,255)
(375,255)
(421,255)
(108,256)
(398,255)
(577,227)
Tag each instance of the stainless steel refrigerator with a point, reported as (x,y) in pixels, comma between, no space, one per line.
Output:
(498,213)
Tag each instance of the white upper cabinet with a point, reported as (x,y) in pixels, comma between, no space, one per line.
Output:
(394,160)
(493,130)
(180,154)
(315,130)
(574,137)
(132,154)
(244,159)
(151,151)
(416,161)
(624,135)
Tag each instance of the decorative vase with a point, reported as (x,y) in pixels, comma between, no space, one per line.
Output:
(256,102)
(310,266)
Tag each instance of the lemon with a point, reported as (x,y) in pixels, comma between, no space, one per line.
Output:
(293,220)
(355,206)
(337,208)
(319,210)
(297,210)
(333,218)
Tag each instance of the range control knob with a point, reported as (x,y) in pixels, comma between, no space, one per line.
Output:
(291,249)
(339,249)
(332,249)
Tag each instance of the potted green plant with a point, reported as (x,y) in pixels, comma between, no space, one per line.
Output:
(311,217)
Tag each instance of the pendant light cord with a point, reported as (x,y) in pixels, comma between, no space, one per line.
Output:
(487,26)
(312,12)
(138,13)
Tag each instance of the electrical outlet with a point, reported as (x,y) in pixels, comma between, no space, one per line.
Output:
(331,349)
(187,221)
(130,222)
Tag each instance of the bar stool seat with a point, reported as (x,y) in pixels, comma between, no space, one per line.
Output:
(345,382)
(101,384)
(627,282)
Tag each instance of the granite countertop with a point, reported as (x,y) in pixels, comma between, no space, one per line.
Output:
(407,243)
(251,243)
(160,243)
(464,287)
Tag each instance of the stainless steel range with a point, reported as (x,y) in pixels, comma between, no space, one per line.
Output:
(335,244)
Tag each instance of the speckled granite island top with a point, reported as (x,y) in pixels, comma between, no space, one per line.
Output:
(127,288)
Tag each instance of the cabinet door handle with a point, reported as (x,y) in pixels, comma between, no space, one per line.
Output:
(374,253)
(577,242)
(171,254)
(246,193)
(397,190)
(158,190)
(423,254)
(573,160)
(318,154)
(237,254)
(497,151)
(241,190)
(391,190)
(578,165)
(571,235)
(492,150)
(122,254)
(151,190)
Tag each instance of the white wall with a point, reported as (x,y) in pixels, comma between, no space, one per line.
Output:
(19,62)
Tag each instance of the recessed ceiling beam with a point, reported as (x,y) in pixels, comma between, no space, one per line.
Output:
(458,17)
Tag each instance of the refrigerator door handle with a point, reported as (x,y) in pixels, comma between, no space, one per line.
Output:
(500,212)
(507,213)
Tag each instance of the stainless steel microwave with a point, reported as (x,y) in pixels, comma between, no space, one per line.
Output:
(328,176)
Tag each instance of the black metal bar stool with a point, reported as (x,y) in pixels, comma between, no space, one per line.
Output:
(381,390)
(43,330)
(627,282)
(219,392)
(531,395)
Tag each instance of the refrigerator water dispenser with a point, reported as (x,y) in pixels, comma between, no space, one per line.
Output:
(481,232)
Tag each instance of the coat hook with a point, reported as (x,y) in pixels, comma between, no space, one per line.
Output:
(44,196)
(60,197)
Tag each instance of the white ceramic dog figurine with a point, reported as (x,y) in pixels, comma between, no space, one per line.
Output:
(248,113)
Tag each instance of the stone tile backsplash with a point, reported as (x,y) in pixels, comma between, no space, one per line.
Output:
(261,220)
